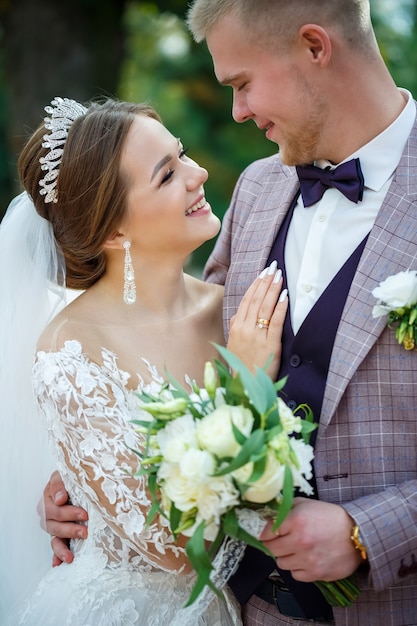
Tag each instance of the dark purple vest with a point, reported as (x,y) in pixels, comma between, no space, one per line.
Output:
(305,359)
(306,356)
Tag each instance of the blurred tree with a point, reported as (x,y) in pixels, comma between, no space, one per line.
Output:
(69,48)
(402,56)
(396,28)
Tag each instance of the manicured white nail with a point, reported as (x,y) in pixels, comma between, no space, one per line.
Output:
(277,276)
(283,295)
(263,273)
(272,268)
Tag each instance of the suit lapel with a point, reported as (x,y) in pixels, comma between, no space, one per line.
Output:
(391,247)
(263,223)
(263,203)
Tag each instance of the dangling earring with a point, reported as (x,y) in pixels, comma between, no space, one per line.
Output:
(129,287)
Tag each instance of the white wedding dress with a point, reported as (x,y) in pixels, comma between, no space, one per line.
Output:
(125,573)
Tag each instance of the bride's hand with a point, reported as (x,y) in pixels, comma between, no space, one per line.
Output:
(256,329)
(61,519)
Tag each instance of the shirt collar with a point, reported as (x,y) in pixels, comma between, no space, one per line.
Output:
(380,156)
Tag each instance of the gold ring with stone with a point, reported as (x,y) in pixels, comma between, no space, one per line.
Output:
(262,323)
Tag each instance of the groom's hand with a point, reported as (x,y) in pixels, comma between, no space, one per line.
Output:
(313,542)
(61,519)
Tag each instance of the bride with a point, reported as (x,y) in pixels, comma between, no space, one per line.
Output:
(112,206)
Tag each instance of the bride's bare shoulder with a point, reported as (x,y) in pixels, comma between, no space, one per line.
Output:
(64,326)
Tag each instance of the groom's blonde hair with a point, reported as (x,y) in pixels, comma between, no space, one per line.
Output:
(275,23)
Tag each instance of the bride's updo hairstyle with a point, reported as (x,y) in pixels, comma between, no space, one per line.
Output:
(90,193)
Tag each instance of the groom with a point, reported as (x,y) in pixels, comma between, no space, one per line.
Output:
(311,77)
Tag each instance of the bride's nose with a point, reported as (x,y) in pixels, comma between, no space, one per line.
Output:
(196,175)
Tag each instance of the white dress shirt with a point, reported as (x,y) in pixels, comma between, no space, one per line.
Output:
(322,236)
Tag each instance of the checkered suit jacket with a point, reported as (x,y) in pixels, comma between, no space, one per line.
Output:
(366,450)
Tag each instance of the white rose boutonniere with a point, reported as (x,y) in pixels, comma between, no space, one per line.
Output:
(397,297)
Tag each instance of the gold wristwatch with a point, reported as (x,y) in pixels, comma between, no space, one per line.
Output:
(354,535)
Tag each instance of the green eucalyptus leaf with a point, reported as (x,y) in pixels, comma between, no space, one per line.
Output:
(239,436)
(174,518)
(280,384)
(287,498)
(155,508)
(268,388)
(252,446)
(271,433)
(181,392)
(201,563)
(256,386)
(235,392)
(258,468)
(222,372)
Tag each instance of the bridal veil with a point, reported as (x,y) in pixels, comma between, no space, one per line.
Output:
(31,292)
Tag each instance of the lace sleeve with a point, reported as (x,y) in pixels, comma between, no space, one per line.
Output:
(88,416)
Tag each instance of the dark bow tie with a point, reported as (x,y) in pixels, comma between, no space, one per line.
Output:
(347,178)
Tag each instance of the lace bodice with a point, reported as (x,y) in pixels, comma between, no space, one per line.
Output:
(126,572)
(88,409)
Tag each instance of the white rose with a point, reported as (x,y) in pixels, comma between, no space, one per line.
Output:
(379,310)
(290,423)
(217,496)
(269,486)
(178,488)
(176,438)
(395,292)
(243,474)
(183,482)
(305,454)
(214,432)
(197,465)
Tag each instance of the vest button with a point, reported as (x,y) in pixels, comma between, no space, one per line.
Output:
(295,360)
(292,404)
(403,571)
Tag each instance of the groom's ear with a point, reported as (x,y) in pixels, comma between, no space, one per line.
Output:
(317,44)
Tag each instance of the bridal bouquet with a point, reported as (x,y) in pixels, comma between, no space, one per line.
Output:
(214,453)
(397,298)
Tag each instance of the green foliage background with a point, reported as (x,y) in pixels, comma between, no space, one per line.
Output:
(142,51)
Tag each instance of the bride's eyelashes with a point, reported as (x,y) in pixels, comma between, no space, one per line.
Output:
(169,173)
(167,176)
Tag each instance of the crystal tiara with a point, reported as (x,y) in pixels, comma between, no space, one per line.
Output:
(63,112)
